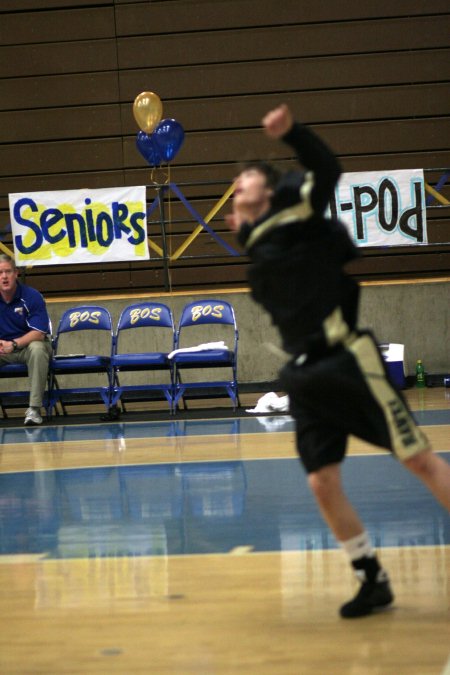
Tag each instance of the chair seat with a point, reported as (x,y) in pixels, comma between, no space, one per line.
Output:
(81,365)
(140,361)
(212,356)
(9,369)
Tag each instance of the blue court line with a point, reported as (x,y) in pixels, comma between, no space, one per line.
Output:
(172,428)
(431,417)
(207,507)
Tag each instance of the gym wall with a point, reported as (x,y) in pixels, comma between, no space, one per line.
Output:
(370,77)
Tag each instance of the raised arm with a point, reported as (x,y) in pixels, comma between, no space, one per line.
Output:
(311,151)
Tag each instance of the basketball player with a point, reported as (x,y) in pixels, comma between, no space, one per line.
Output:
(336,378)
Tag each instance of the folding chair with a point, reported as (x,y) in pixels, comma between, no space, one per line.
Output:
(83,326)
(218,314)
(140,321)
(13,399)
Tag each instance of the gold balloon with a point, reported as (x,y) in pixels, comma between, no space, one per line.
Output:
(147,111)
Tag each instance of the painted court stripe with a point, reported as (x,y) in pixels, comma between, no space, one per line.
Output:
(22,558)
(176,428)
(241,550)
(446,670)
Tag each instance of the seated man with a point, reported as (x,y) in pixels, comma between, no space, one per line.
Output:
(24,326)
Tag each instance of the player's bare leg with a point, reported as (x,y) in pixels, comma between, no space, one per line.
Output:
(334,505)
(348,529)
(434,472)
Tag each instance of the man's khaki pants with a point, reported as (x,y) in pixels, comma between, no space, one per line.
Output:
(36,357)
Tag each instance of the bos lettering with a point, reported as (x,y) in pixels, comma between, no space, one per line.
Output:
(152,313)
(206,310)
(83,317)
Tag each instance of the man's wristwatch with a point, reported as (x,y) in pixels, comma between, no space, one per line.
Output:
(15,345)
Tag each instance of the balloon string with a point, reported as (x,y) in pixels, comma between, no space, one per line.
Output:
(170,226)
(164,179)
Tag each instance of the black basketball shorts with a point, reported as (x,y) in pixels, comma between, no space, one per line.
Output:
(347,391)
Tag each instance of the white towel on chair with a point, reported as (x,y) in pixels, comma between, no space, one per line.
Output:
(199,348)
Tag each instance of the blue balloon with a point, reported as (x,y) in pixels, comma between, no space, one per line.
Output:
(147,147)
(169,136)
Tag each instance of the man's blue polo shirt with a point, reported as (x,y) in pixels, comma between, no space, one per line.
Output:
(25,312)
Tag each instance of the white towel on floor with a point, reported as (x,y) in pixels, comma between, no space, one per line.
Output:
(271,402)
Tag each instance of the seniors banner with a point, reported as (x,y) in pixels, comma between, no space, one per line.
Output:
(79,226)
(382,208)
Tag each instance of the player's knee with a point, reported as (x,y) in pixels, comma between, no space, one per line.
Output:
(323,483)
(421,464)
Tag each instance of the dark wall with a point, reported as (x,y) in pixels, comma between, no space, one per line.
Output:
(370,77)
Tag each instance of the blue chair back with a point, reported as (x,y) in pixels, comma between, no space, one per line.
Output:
(207,311)
(144,314)
(85,317)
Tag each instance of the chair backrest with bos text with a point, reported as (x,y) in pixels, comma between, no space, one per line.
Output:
(215,348)
(145,350)
(207,312)
(82,346)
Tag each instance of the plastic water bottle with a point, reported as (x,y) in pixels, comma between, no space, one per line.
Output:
(420,375)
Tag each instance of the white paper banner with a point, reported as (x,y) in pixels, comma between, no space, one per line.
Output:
(79,226)
(382,208)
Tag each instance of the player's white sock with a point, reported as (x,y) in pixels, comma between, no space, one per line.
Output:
(363,559)
(358,547)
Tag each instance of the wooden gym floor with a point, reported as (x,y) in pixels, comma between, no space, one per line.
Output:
(193,546)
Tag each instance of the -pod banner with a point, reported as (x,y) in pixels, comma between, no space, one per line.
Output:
(382,208)
(79,226)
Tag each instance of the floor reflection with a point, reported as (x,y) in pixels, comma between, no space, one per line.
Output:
(205,507)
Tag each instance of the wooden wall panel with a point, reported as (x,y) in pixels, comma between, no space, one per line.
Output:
(287,76)
(371,78)
(338,105)
(341,105)
(396,265)
(382,161)
(360,138)
(57,26)
(23,5)
(288,41)
(36,93)
(66,156)
(177,17)
(60,123)
(58,58)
